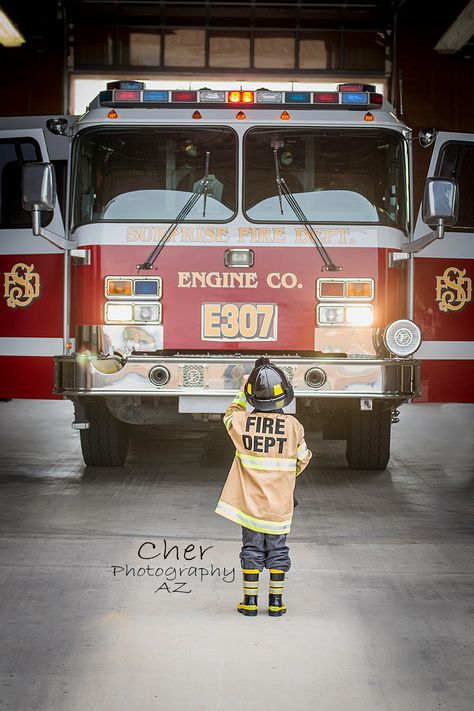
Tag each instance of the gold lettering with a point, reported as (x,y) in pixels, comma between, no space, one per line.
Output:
(271,280)
(213,279)
(279,235)
(184,279)
(132,233)
(301,235)
(198,277)
(222,234)
(251,281)
(243,233)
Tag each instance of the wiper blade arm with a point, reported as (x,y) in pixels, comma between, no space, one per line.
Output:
(284,190)
(184,212)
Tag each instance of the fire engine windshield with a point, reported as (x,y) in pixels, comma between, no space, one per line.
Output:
(149,173)
(336,175)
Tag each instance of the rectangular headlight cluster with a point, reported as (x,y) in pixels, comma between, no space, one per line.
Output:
(341,289)
(345,315)
(133,299)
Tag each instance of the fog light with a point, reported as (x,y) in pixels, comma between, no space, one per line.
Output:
(159,375)
(403,337)
(315,377)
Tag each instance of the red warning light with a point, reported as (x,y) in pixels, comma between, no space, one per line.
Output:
(247,97)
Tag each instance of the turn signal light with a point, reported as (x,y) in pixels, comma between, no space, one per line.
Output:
(359,289)
(122,287)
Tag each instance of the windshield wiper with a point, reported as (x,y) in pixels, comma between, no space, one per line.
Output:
(184,212)
(284,191)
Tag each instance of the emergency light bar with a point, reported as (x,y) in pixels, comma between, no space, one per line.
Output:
(134,93)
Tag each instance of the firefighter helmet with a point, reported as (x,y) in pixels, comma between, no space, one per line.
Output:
(267,387)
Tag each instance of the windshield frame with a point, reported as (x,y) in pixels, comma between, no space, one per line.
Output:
(404,225)
(174,127)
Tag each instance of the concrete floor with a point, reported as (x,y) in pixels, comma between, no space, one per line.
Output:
(378,598)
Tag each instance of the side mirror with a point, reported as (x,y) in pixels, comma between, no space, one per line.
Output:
(58,126)
(440,202)
(38,187)
(426,137)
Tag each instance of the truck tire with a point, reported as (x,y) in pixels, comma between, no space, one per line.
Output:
(368,439)
(105,443)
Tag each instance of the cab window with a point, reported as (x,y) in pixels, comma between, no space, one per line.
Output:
(457,161)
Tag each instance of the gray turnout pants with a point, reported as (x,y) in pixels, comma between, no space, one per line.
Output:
(264,550)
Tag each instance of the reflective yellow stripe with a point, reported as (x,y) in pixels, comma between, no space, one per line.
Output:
(250,570)
(227,420)
(276,570)
(267,463)
(241,606)
(302,450)
(254,524)
(240,399)
(274,608)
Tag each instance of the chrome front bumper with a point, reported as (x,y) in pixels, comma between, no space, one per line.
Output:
(220,376)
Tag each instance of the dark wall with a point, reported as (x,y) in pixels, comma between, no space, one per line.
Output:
(438,89)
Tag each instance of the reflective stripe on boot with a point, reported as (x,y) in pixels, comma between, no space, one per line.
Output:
(276,608)
(250,582)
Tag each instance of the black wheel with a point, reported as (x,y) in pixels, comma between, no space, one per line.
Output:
(105,443)
(368,438)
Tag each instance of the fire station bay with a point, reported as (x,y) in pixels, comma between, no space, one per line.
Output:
(236,355)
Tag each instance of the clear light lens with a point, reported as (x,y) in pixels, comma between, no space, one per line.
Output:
(269,97)
(146,313)
(118,313)
(238,258)
(212,96)
(119,287)
(359,315)
(403,337)
(330,314)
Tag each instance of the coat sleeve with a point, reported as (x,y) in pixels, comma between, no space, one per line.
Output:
(303,454)
(238,404)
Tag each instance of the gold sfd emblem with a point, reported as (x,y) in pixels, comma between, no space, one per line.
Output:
(453,289)
(22,285)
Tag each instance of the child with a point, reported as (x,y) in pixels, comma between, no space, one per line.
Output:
(258,494)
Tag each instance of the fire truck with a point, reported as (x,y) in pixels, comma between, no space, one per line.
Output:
(153,247)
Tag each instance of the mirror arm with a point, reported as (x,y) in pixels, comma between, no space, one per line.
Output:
(52,237)
(425,240)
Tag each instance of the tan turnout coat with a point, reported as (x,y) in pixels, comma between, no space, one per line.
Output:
(270,452)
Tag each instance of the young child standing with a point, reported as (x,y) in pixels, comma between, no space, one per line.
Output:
(270,452)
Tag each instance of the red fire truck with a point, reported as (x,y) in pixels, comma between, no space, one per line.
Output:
(174,236)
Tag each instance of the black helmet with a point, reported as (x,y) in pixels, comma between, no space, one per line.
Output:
(267,387)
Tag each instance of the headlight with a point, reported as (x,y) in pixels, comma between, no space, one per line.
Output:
(146,313)
(359,315)
(330,314)
(403,337)
(345,315)
(120,312)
